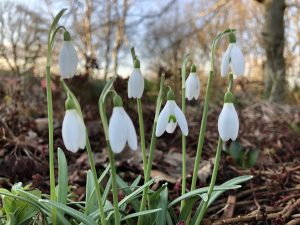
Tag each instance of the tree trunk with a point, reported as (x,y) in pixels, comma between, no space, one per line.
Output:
(273,42)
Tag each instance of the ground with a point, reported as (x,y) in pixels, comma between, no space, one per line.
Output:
(272,197)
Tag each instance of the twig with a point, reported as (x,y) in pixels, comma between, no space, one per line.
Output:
(284,214)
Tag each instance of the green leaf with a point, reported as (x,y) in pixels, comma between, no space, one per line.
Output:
(90,194)
(188,207)
(70,211)
(55,22)
(122,184)
(161,216)
(234,181)
(62,177)
(235,150)
(252,157)
(201,191)
(129,197)
(142,213)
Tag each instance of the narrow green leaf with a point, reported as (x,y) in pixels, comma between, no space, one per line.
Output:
(161,216)
(252,157)
(142,213)
(201,191)
(70,211)
(62,177)
(136,192)
(234,181)
(90,194)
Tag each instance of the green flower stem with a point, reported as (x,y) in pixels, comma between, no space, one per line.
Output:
(230,82)
(151,151)
(90,155)
(183,137)
(114,185)
(95,178)
(205,110)
(142,133)
(212,182)
(202,130)
(111,157)
(51,145)
(141,122)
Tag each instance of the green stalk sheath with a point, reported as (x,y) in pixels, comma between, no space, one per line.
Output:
(142,133)
(95,178)
(51,145)
(202,130)
(114,185)
(212,182)
(151,151)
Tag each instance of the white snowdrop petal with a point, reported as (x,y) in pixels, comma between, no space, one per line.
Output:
(189,88)
(196,85)
(162,121)
(68,60)
(228,122)
(131,132)
(180,117)
(136,84)
(237,61)
(117,130)
(171,127)
(70,131)
(82,129)
(225,61)
(235,124)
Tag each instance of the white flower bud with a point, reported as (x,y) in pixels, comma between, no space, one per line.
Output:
(192,86)
(121,130)
(136,84)
(233,57)
(228,122)
(73,131)
(68,60)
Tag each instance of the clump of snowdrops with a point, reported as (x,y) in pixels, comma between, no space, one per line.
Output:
(140,205)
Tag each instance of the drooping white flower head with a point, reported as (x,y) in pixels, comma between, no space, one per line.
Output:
(121,128)
(170,116)
(73,128)
(228,122)
(68,59)
(136,82)
(234,58)
(192,85)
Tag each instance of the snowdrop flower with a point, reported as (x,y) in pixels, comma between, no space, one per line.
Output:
(121,128)
(233,57)
(170,116)
(73,128)
(136,82)
(68,59)
(228,122)
(192,85)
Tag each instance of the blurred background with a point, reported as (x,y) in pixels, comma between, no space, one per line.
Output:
(162,32)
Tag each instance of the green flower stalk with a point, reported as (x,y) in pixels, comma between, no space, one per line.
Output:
(135,90)
(151,150)
(183,137)
(52,32)
(205,110)
(117,103)
(73,103)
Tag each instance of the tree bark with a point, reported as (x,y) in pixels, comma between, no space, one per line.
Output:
(273,43)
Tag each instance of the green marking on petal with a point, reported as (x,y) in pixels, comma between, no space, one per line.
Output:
(172,118)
